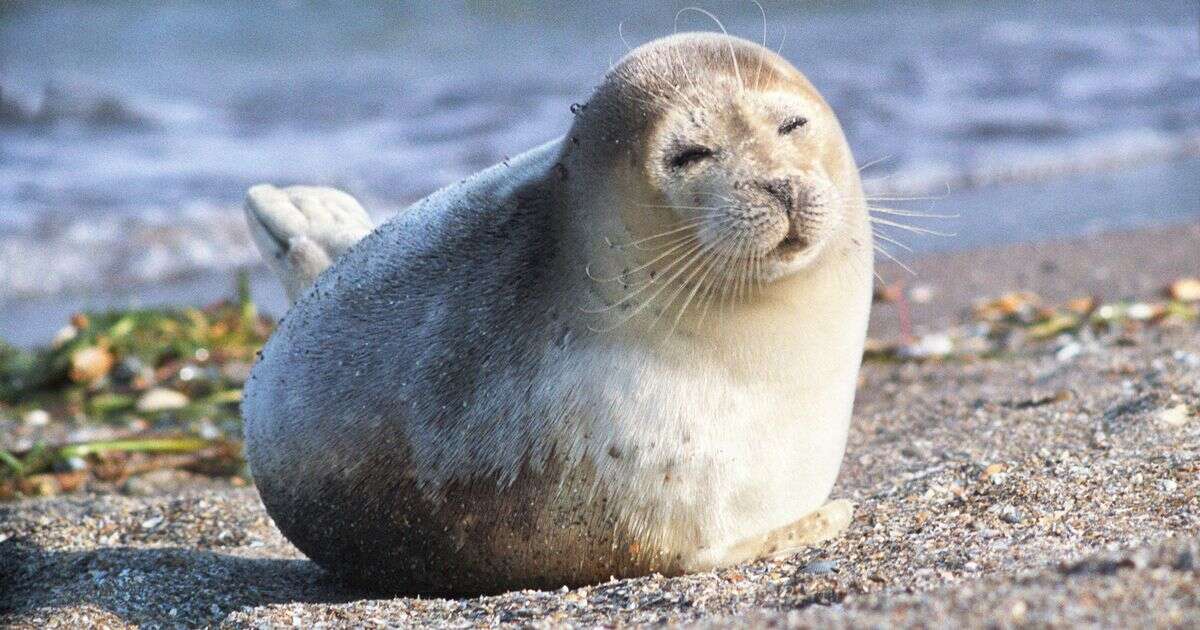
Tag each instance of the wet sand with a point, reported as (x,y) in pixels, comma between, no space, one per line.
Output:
(1023,490)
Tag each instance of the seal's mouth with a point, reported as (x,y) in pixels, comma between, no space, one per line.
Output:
(791,244)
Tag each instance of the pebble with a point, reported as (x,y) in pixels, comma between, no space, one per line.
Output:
(921,294)
(1189,359)
(1010,514)
(1185,290)
(161,399)
(36,418)
(1068,352)
(90,364)
(1168,486)
(930,346)
(821,567)
(1176,416)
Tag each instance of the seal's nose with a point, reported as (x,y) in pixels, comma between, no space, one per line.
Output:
(780,189)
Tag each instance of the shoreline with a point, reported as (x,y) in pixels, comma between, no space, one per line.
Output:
(1026,488)
(32,321)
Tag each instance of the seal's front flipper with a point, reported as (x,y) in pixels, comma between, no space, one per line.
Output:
(818,526)
(301,230)
(824,523)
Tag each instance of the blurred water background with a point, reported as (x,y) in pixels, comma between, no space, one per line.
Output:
(129,131)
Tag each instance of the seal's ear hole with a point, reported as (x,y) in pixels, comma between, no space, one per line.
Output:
(792,124)
(689,155)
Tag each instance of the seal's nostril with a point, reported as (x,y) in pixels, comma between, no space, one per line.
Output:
(780,189)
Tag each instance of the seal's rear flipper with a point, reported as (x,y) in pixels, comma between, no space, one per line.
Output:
(301,230)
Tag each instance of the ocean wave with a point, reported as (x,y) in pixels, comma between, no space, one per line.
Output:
(62,254)
(1119,152)
(70,105)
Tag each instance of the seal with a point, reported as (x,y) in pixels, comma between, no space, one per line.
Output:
(630,350)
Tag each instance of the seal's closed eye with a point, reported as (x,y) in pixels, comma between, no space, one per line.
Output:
(689,155)
(792,124)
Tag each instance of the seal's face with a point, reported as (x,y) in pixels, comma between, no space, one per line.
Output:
(747,169)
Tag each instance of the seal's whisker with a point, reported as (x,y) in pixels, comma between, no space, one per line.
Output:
(617,304)
(626,274)
(907,198)
(648,205)
(882,250)
(675,239)
(722,263)
(722,197)
(874,162)
(758,73)
(883,237)
(676,227)
(690,256)
(728,276)
(700,257)
(691,83)
(707,266)
(621,34)
(693,252)
(744,277)
(910,213)
(687,258)
(910,228)
(732,53)
(758,275)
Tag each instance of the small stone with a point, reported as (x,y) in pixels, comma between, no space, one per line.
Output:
(1068,352)
(36,418)
(1185,290)
(151,523)
(90,364)
(1187,358)
(921,294)
(930,346)
(1010,514)
(161,399)
(991,471)
(1168,486)
(1176,416)
(1142,311)
(1081,305)
(821,567)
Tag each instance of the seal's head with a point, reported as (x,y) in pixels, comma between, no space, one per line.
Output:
(734,154)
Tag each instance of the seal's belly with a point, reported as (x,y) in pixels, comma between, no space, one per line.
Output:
(704,464)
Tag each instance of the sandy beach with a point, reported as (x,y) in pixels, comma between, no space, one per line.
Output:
(1036,487)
